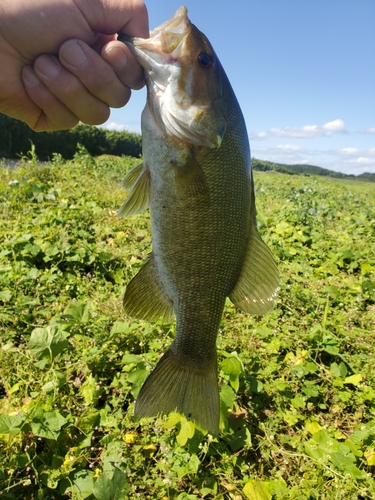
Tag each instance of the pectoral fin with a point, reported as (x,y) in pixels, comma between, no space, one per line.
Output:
(257,287)
(145,299)
(191,182)
(138,181)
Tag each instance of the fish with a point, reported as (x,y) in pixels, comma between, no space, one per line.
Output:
(196,179)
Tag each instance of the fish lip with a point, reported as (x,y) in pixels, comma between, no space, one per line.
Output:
(155,47)
(177,23)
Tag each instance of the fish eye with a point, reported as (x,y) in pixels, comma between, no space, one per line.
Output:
(206,60)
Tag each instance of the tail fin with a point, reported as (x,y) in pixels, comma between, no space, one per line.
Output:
(173,386)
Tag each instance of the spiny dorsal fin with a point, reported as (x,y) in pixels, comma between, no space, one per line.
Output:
(257,287)
(145,299)
(138,181)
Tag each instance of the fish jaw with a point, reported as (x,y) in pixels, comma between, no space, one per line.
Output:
(186,98)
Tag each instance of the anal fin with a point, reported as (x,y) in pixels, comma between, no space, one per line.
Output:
(145,299)
(138,181)
(258,284)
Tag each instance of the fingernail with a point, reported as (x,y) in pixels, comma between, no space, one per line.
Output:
(47,65)
(29,76)
(73,54)
(117,57)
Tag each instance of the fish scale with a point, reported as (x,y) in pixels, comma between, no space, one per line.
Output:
(196,178)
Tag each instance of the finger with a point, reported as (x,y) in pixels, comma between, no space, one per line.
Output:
(68,89)
(59,116)
(117,16)
(94,72)
(138,23)
(124,64)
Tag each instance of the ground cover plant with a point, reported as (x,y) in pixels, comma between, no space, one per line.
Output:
(297,385)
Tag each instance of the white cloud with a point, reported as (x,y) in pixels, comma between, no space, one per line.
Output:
(283,153)
(310,131)
(348,151)
(368,131)
(260,136)
(289,148)
(349,160)
(118,127)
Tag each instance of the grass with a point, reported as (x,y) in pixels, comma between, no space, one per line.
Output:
(297,385)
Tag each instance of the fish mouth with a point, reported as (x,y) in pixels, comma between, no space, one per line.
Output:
(178,108)
(162,46)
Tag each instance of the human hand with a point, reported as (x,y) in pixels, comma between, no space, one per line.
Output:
(60,61)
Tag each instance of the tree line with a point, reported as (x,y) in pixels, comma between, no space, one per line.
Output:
(16,138)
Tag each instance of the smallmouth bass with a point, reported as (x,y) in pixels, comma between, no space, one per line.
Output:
(196,178)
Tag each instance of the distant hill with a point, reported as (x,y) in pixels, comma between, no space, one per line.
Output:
(264,166)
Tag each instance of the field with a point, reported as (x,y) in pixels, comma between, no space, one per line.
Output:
(297,385)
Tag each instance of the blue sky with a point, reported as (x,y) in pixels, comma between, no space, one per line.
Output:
(303,72)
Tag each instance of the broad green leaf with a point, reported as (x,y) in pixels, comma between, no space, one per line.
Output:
(190,467)
(257,490)
(83,483)
(11,424)
(186,432)
(5,295)
(123,328)
(242,438)
(47,343)
(335,369)
(256,386)
(207,486)
(15,388)
(298,402)
(368,286)
(354,379)
(279,488)
(355,448)
(88,422)
(128,359)
(48,386)
(233,367)
(173,419)
(290,417)
(227,395)
(366,268)
(114,488)
(370,456)
(312,427)
(78,312)
(90,390)
(321,445)
(138,376)
(47,424)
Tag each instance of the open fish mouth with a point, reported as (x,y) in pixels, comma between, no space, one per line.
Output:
(177,89)
(164,44)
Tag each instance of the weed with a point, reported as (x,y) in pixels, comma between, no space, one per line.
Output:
(297,385)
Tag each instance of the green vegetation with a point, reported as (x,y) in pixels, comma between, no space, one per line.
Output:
(297,385)
(267,166)
(16,137)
